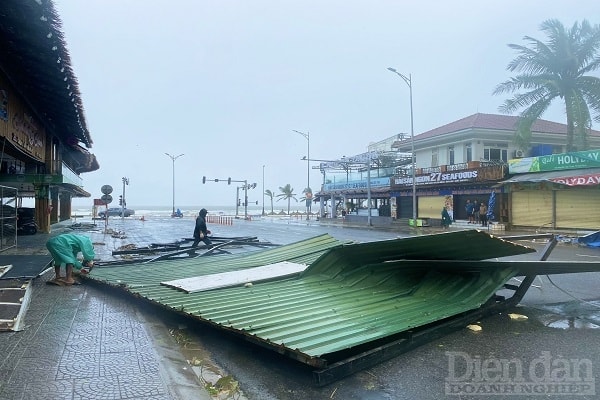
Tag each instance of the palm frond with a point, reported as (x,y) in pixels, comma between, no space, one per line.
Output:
(555,69)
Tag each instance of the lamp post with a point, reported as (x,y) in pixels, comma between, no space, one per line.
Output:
(307,137)
(263,191)
(173,158)
(408,81)
(123,202)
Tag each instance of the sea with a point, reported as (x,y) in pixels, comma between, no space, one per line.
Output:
(253,211)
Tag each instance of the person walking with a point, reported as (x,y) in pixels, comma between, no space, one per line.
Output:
(64,250)
(201,231)
(483,214)
(446,220)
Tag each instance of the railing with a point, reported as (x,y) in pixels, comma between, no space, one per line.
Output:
(430,170)
(68,175)
(457,167)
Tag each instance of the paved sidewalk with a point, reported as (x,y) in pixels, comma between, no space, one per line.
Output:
(87,342)
(81,342)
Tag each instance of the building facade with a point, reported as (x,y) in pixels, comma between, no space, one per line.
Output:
(555,191)
(466,160)
(43,132)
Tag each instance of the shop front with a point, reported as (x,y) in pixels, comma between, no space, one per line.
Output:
(558,191)
(440,187)
(356,200)
(556,200)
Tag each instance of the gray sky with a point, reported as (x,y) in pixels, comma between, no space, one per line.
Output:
(226,83)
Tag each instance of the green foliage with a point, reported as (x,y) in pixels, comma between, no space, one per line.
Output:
(556,69)
(306,191)
(271,195)
(287,193)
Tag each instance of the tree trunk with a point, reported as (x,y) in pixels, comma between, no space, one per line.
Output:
(570,127)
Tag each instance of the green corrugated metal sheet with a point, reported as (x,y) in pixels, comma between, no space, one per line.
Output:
(350,295)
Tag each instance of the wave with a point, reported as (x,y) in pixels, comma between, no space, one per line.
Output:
(189,211)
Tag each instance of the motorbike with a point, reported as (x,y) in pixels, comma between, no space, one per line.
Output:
(26,224)
(26,227)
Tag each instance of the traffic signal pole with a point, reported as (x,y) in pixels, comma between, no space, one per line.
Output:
(246,187)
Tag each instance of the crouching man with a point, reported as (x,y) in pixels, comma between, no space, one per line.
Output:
(64,250)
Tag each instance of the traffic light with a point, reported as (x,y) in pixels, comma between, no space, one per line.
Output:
(120,200)
(203,179)
(229,181)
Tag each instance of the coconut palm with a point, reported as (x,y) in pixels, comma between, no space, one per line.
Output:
(270,195)
(305,192)
(307,199)
(556,69)
(287,193)
(308,194)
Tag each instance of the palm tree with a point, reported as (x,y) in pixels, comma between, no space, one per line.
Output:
(270,195)
(307,199)
(557,69)
(287,193)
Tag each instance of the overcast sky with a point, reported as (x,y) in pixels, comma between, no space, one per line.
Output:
(226,82)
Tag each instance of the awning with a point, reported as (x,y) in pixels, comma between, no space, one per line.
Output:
(572,177)
(379,192)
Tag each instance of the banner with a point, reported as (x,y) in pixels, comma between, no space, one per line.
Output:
(580,180)
(555,162)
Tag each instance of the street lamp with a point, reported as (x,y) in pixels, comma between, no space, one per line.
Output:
(173,158)
(123,202)
(408,81)
(307,137)
(263,190)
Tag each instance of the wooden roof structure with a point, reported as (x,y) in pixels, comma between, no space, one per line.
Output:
(36,61)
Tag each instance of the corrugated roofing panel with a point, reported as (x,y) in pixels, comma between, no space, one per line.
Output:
(351,295)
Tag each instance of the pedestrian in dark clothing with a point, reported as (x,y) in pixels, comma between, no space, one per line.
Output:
(201,231)
(483,214)
(446,220)
(475,212)
(469,210)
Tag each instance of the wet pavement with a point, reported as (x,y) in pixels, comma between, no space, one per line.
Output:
(83,342)
(88,341)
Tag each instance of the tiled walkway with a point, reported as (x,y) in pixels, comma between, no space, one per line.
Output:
(81,342)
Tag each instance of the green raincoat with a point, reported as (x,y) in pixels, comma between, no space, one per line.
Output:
(65,248)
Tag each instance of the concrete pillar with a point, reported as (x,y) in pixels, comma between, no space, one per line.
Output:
(332,214)
(64,206)
(54,206)
(42,207)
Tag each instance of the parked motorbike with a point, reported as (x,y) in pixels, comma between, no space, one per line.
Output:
(26,227)
(26,224)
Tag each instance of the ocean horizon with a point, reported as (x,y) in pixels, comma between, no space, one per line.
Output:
(192,211)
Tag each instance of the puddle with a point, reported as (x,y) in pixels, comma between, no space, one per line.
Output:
(571,323)
(568,315)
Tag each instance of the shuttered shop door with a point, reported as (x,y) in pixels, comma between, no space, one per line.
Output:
(431,207)
(578,208)
(532,208)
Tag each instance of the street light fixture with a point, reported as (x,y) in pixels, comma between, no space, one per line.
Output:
(263,192)
(173,158)
(408,81)
(307,137)
(123,201)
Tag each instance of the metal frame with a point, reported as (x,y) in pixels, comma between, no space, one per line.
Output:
(411,339)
